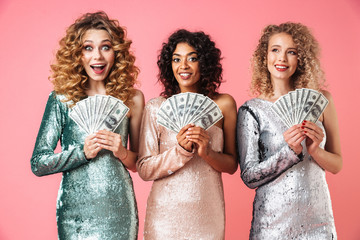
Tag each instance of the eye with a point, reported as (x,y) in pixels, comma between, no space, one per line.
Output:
(193,59)
(275,50)
(176,60)
(88,48)
(292,52)
(106,47)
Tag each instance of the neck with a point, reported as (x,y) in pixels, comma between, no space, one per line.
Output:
(189,89)
(96,87)
(281,87)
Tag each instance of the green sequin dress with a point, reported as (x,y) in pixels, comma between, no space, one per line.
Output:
(96,200)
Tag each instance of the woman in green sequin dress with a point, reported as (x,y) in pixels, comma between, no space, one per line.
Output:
(96,198)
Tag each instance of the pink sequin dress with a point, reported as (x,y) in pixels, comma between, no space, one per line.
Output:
(186,199)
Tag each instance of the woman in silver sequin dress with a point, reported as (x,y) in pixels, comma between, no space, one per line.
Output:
(96,198)
(287,166)
(186,199)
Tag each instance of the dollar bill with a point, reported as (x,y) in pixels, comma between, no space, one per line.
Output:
(280,114)
(74,116)
(301,104)
(208,119)
(312,97)
(317,109)
(114,117)
(184,108)
(99,112)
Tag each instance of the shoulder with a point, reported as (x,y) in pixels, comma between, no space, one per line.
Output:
(225,101)
(138,96)
(154,103)
(59,99)
(328,95)
(251,103)
(137,105)
(138,99)
(252,107)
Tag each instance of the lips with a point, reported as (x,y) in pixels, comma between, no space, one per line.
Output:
(98,68)
(185,76)
(281,68)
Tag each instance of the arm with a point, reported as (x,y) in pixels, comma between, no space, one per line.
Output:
(152,164)
(256,169)
(44,161)
(329,158)
(113,142)
(226,161)
(135,123)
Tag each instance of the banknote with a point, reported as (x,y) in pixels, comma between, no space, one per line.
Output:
(301,104)
(184,108)
(98,112)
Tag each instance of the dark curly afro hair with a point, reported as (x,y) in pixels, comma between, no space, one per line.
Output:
(209,62)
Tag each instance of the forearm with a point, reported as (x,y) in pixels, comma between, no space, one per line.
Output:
(152,166)
(221,162)
(256,173)
(45,163)
(328,161)
(129,160)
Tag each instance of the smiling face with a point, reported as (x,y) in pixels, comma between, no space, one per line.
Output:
(185,66)
(282,59)
(97,54)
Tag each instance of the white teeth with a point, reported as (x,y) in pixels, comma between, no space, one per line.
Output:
(282,67)
(185,74)
(98,65)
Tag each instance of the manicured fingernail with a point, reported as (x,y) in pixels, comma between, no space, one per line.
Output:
(305,131)
(189,129)
(302,127)
(303,123)
(304,120)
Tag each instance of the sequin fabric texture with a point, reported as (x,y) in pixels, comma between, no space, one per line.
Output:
(96,200)
(186,199)
(292,199)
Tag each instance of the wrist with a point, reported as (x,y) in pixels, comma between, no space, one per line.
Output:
(124,154)
(315,153)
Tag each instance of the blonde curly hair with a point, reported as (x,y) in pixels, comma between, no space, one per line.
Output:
(308,73)
(68,74)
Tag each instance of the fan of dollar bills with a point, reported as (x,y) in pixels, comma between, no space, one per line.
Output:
(99,112)
(299,105)
(184,108)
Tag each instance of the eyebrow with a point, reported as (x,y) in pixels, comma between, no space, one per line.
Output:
(106,40)
(190,53)
(280,46)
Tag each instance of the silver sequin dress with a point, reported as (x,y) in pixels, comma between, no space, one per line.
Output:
(292,198)
(96,199)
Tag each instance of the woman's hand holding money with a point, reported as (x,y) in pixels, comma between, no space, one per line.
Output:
(182,140)
(112,142)
(201,138)
(91,147)
(294,136)
(314,135)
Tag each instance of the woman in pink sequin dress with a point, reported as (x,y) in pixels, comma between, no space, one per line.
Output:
(187,200)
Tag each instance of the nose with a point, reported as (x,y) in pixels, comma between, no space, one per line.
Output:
(282,57)
(184,64)
(97,54)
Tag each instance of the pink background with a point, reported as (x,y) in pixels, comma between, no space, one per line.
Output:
(30,31)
